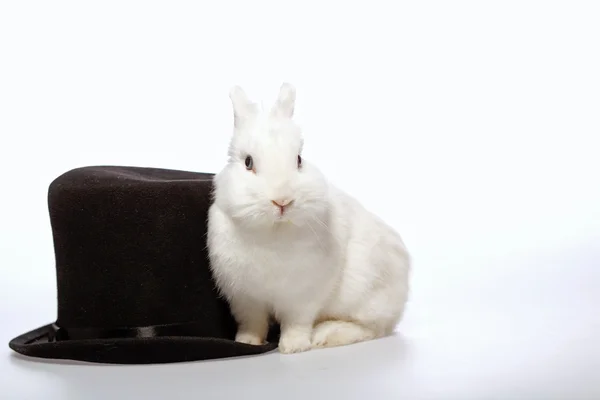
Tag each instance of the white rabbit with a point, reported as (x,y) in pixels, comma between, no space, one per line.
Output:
(285,243)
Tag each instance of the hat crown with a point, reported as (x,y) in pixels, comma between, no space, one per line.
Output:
(130,248)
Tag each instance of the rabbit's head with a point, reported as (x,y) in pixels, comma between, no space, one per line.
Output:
(266,180)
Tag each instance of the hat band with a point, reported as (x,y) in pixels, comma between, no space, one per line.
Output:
(58,333)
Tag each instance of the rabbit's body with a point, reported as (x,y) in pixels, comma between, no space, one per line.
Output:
(271,274)
(329,271)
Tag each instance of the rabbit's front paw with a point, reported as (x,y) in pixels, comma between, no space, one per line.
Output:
(249,338)
(294,342)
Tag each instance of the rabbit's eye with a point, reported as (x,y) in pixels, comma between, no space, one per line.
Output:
(299,161)
(249,162)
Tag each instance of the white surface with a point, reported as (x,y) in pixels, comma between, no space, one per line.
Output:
(470,126)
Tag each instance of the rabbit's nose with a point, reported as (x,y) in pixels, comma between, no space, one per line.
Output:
(282,203)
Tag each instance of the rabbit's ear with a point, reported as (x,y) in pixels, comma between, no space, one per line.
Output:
(286,101)
(243,108)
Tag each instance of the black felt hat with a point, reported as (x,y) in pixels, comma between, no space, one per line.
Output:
(133,279)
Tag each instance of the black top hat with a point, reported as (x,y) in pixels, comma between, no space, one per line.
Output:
(133,277)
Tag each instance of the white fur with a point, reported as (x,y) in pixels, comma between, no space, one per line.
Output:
(329,271)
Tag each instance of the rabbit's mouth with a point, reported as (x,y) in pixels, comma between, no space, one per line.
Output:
(284,221)
(283,218)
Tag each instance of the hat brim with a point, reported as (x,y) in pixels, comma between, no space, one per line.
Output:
(151,350)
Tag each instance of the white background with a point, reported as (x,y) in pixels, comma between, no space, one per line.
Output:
(471,127)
